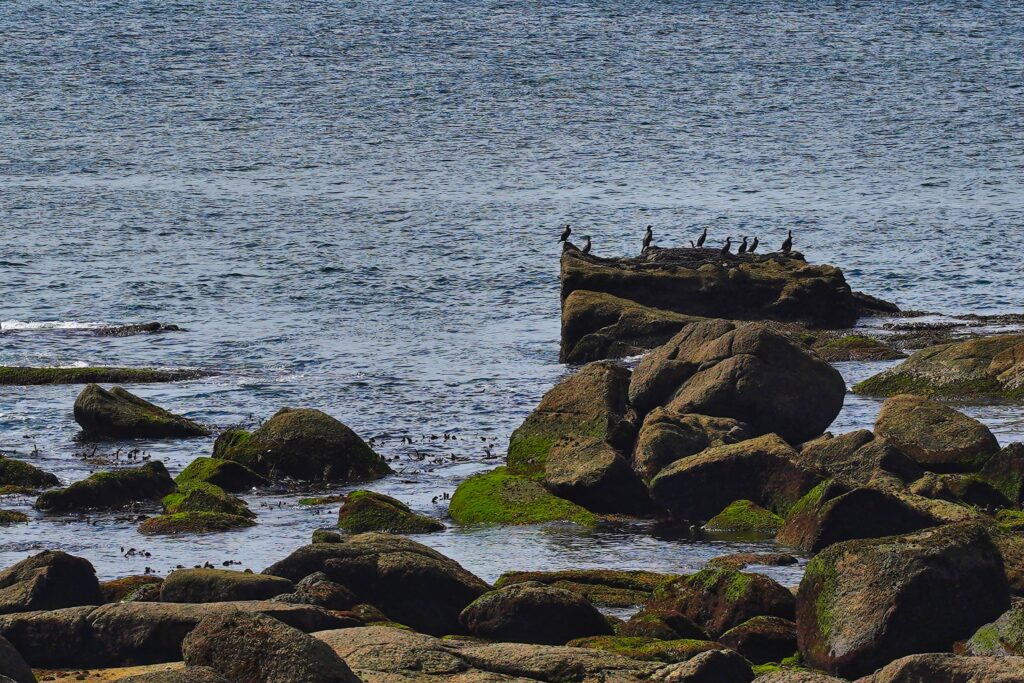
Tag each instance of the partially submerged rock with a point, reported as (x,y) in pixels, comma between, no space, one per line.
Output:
(19,473)
(500,497)
(936,436)
(666,437)
(741,560)
(227,474)
(765,470)
(120,414)
(221,585)
(304,444)
(745,517)
(193,523)
(205,497)
(111,490)
(856,347)
(46,581)
(747,372)
(136,328)
(984,366)
(365,511)
(864,603)
(533,613)
(21,376)
(590,472)
(590,403)
(254,647)
(12,517)
(411,583)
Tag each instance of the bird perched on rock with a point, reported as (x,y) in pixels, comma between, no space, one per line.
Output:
(586,247)
(743,247)
(753,246)
(787,246)
(648,236)
(692,245)
(703,236)
(566,233)
(727,247)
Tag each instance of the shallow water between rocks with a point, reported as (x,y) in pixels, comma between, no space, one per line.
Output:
(354,207)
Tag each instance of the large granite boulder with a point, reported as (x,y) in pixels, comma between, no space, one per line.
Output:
(666,437)
(111,490)
(713,666)
(985,366)
(747,372)
(120,414)
(411,583)
(13,666)
(721,599)
(864,603)
(375,650)
(221,585)
(615,306)
(227,474)
(48,580)
(949,668)
(936,436)
(259,649)
(762,639)
(590,472)
(531,612)
(305,444)
(589,403)
(765,470)
(834,512)
(861,458)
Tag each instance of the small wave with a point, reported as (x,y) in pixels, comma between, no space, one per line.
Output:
(22,325)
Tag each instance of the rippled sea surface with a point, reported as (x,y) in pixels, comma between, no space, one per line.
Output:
(354,206)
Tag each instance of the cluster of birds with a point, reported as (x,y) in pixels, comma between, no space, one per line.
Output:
(744,247)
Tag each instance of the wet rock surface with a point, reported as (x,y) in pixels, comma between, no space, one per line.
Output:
(119,414)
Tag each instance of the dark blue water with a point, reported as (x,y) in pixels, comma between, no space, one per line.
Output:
(354,206)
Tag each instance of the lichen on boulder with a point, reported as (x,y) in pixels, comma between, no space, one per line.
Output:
(500,497)
(364,511)
(118,413)
(304,444)
(111,490)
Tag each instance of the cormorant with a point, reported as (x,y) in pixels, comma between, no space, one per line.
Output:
(728,245)
(586,247)
(566,233)
(743,247)
(753,246)
(787,246)
(703,236)
(648,236)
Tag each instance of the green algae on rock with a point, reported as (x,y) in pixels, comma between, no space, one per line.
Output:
(304,444)
(118,413)
(1004,636)
(111,490)
(221,585)
(18,473)
(23,376)
(365,511)
(193,523)
(12,517)
(227,474)
(205,497)
(980,367)
(648,649)
(500,497)
(605,587)
(745,516)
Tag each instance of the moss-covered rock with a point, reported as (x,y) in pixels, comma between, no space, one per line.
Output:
(18,473)
(111,490)
(765,470)
(1011,520)
(962,369)
(864,603)
(861,458)
(855,347)
(365,511)
(740,560)
(590,403)
(21,376)
(744,371)
(533,613)
(745,517)
(205,497)
(666,437)
(762,639)
(50,580)
(227,474)
(305,444)
(1004,471)
(720,599)
(833,512)
(588,471)
(193,523)
(603,587)
(648,649)
(117,590)
(500,497)
(221,585)
(1004,636)
(326,536)
(935,435)
(12,517)
(120,414)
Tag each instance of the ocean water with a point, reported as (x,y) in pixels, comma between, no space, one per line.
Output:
(354,206)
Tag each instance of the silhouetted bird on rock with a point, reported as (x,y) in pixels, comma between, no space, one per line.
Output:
(586,247)
(753,246)
(743,247)
(566,233)
(700,240)
(727,247)
(648,236)
(787,246)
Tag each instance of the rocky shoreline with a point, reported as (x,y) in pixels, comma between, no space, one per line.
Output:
(915,528)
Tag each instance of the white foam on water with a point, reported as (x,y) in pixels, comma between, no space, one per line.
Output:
(23,325)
